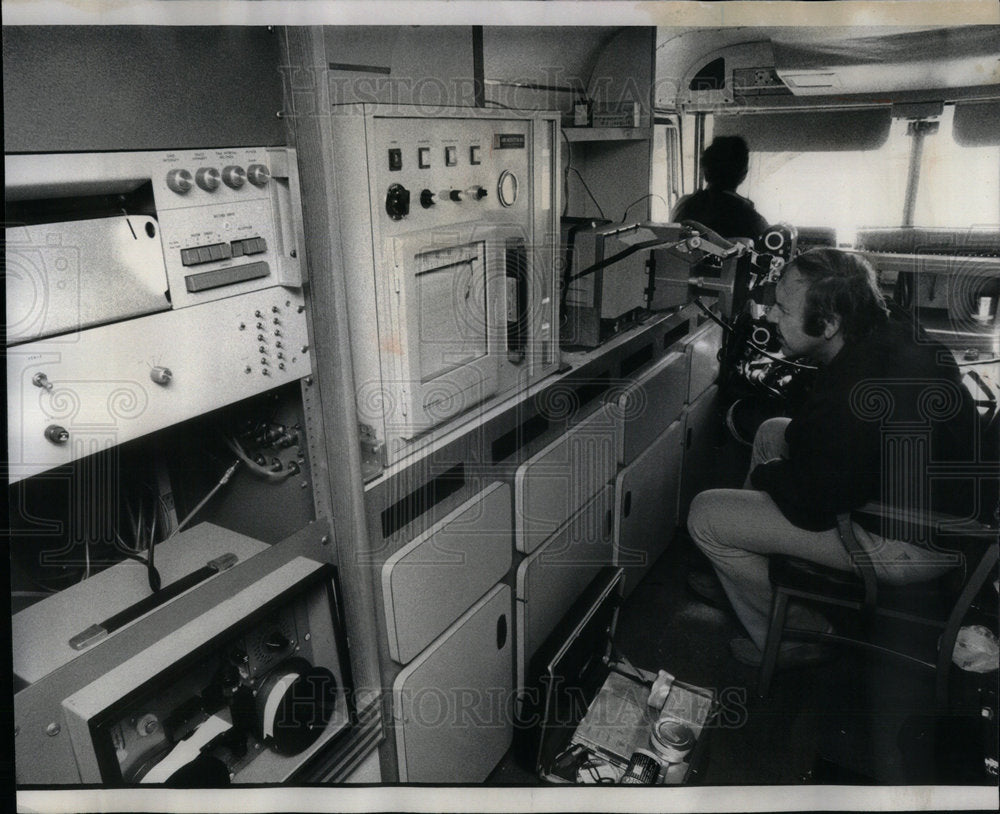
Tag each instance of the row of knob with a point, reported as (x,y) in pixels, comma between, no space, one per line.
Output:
(208,178)
(397,199)
(428,198)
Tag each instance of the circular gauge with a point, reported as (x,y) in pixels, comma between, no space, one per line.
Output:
(507,188)
(294,704)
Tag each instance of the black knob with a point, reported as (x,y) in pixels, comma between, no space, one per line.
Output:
(56,434)
(427,199)
(455,195)
(397,202)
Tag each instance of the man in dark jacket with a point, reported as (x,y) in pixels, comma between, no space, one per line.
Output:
(718,206)
(883,389)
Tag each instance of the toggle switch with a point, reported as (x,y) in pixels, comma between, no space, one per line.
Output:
(41,380)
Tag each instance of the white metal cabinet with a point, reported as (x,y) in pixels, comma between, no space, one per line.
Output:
(701,431)
(703,352)
(556,482)
(450,704)
(430,582)
(646,494)
(556,573)
(650,404)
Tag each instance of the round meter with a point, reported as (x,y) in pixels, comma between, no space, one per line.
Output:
(294,704)
(507,188)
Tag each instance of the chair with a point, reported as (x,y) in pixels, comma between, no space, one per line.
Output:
(974,552)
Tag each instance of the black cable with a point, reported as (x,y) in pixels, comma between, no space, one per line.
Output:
(639,200)
(591,194)
(607,261)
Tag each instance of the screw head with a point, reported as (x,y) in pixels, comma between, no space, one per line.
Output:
(325,539)
(53,729)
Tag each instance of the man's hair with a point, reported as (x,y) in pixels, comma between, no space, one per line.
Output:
(840,284)
(725,161)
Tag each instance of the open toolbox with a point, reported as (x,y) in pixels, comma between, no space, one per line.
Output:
(587,715)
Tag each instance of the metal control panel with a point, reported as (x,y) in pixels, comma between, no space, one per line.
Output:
(441,171)
(447,226)
(182,294)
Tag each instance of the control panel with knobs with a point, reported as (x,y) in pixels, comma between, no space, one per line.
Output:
(181,180)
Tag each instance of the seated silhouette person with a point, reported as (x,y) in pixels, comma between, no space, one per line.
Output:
(718,206)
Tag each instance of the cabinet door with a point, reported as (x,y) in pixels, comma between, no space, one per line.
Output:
(551,578)
(648,406)
(646,505)
(450,705)
(703,349)
(703,426)
(551,486)
(430,582)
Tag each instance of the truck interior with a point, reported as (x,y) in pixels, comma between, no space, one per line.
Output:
(283,516)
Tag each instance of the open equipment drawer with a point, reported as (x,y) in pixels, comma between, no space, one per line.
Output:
(584,710)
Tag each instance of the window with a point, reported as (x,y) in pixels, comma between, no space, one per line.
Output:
(854,189)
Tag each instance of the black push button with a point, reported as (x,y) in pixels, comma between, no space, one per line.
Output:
(395,159)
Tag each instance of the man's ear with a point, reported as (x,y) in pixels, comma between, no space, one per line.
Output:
(831,326)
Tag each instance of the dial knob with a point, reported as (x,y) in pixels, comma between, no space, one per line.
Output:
(207,178)
(258,175)
(161,375)
(455,195)
(179,181)
(477,193)
(397,202)
(56,434)
(234,176)
(428,199)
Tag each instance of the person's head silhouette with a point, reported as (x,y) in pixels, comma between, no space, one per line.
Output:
(725,162)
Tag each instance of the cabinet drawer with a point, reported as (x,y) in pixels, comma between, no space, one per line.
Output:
(553,577)
(449,704)
(647,407)
(703,350)
(431,581)
(646,494)
(557,482)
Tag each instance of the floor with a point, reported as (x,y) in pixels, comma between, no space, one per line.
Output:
(853,720)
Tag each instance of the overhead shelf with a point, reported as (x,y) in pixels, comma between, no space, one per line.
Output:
(607,133)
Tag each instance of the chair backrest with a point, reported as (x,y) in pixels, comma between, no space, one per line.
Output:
(937,451)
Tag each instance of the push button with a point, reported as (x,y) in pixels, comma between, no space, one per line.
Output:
(474,154)
(395,159)
(423,157)
(450,156)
